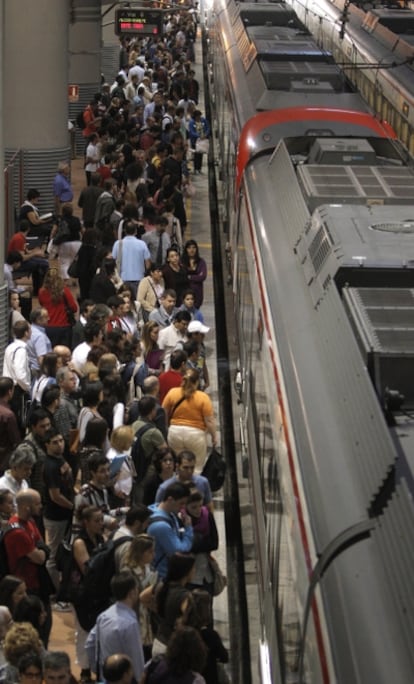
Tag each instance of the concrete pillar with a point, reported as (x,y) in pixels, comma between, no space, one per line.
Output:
(110,43)
(4,317)
(84,57)
(35,78)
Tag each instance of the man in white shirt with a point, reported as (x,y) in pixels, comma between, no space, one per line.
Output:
(16,367)
(93,337)
(174,335)
(21,464)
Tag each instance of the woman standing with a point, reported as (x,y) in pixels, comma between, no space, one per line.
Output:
(86,261)
(153,356)
(175,275)
(171,598)
(164,465)
(196,269)
(198,129)
(70,238)
(198,615)
(88,539)
(12,591)
(49,367)
(138,559)
(191,416)
(61,307)
(150,290)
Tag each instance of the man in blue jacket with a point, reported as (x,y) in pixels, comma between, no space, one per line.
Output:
(170,526)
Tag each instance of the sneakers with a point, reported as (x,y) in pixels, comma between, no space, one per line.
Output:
(61,607)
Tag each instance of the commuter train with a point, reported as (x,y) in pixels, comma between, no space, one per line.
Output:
(317,204)
(380,38)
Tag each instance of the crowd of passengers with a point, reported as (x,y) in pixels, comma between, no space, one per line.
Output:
(104,415)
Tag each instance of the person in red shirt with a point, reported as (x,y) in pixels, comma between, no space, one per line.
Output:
(61,307)
(34,261)
(90,119)
(27,553)
(174,376)
(116,304)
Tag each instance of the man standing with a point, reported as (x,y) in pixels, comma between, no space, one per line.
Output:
(62,189)
(117,628)
(148,438)
(171,534)
(88,199)
(58,498)
(9,431)
(39,343)
(56,668)
(27,553)
(95,493)
(186,461)
(174,335)
(132,257)
(117,669)
(93,337)
(33,259)
(164,314)
(15,479)
(136,522)
(158,240)
(16,367)
(174,376)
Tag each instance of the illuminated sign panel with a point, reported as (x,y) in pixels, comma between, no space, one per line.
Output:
(138,21)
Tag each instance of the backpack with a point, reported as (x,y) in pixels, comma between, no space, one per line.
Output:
(4,561)
(215,470)
(139,459)
(141,374)
(80,121)
(95,594)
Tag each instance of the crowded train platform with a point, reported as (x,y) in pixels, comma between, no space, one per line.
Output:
(113,558)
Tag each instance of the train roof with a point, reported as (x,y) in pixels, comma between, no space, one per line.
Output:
(264,131)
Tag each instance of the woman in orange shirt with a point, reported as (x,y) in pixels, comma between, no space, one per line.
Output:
(191,417)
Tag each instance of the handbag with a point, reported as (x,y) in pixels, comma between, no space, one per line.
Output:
(202,145)
(69,313)
(215,470)
(73,270)
(219,579)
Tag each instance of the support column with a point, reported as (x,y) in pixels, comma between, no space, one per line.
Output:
(84,57)
(4,309)
(35,73)
(110,42)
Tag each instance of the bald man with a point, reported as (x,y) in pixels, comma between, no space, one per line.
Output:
(27,553)
(117,669)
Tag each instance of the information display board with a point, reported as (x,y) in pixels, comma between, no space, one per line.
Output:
(139,21)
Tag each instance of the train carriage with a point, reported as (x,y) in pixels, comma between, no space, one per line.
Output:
(318,202)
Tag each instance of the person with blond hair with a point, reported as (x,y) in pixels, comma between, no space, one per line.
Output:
(61,306)
(138,560)
(21,638)
(119,455)
(191,416)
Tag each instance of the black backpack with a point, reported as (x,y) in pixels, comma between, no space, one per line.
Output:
(139,459)
(80,121)
(4,561)
(95,594)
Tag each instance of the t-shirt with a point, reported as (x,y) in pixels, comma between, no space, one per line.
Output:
(190,412)
(168,380)
(55,480)
(18,544)
(18,242)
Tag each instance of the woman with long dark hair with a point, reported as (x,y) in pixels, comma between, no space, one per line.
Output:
(174,274)
(61,306)
(172,598)
(196,269)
